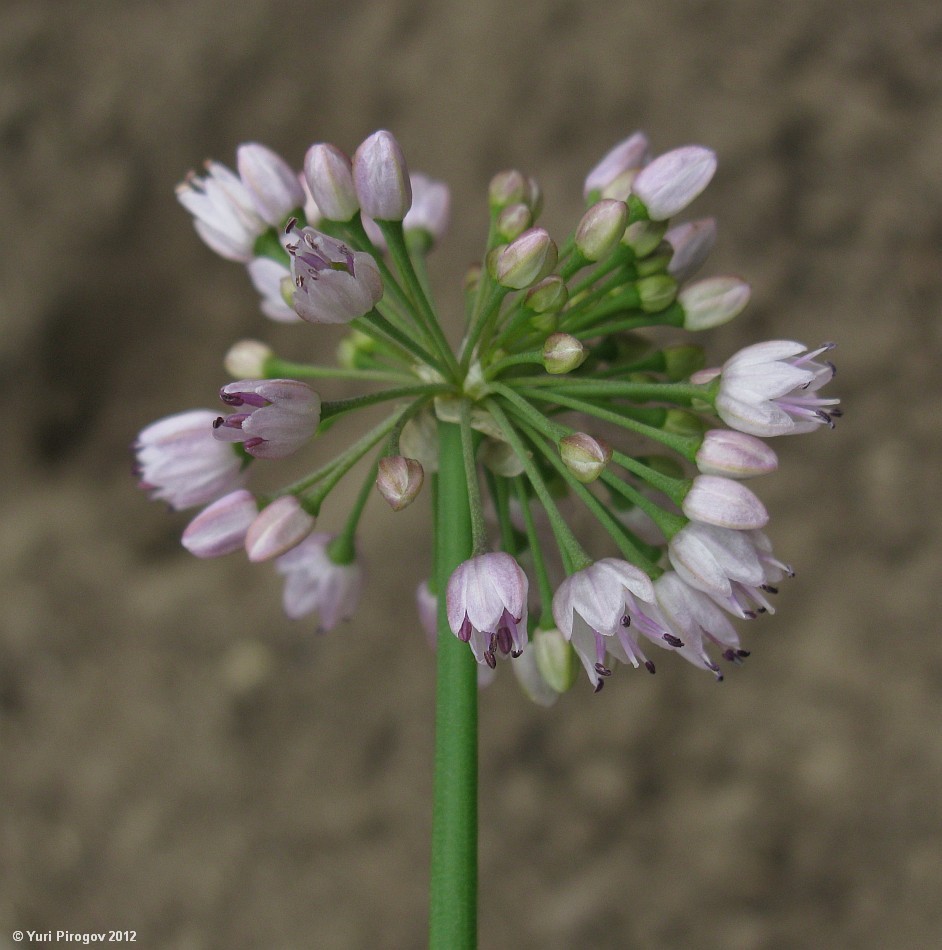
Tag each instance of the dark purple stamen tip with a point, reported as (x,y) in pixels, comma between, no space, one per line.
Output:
(464,631)
(763,610)
(230,399)
(769,589)
(602,670)
(649,666)
(516,653)
(291,225)
(749,614)
(742,653)
(598,686)
(672,640)
(218,421)
(626,621)
(490,659)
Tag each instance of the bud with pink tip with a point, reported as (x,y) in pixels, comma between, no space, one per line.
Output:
(381,178)
(692,242)
(513,221)
(431,207)
(673,180)
(275,417)
(586,457)
(562,353)
(333,284)
(277,529)
(712,302)
(487,606)
(612,176)
(272,184)
(329,176)
(399,480)
(180,462)
(526,260)
(601,228)
(734,455)
(315,582)
(221,528)
(723,502)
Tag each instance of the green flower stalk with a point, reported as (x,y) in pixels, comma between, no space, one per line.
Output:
(563,385)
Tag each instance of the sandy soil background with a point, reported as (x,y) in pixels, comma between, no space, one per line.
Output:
(181,760)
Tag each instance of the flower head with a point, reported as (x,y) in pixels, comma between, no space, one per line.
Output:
(487,606)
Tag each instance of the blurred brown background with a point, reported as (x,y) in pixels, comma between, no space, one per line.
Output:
(181,760)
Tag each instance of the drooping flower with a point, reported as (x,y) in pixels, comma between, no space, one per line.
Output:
(487,606)
(691,242)
(273,185)
(315,582)
(698,621)
(180,462)
(735,568)
(334,284)
(399,480)
(772,388)
(733,454)
(276,416)
(599,609)
(715,500)
(274,282)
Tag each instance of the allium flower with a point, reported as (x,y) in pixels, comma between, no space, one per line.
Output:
(225,216)
(315,582)
(673,180)
(328,174)
(599,608)
(274,282)
(721,501)
(180,462)
(273,186)
(487,606)
(697,620)
(277,529)
(692,242)
(382,178)
(277,416)
(431,207)
(736,568)
(771,389)
(333,283)
(734,454)
(613,175)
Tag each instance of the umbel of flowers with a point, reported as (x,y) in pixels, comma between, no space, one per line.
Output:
(556,396)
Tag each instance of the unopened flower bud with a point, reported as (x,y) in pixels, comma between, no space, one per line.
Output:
(355,350)
(725,503)
(555,659)
(513,221)
(431,208)
(329,176)
(534,197)
(221,528)
(399,480)
(382,178)
(680,362)
(472,278)
(735,455)
(692,242)
(585,456)
(508,188)
(271,182)
(526,260)
(531,680)
(656,292)
(247,358)
(673,180)
(562,353)
(548,296)
(277,528)
(618,167)
(601,228)
(643,236)
(712,302)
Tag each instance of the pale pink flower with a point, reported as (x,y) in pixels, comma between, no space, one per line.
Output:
(487,606)
(275,418)
(221,528)
(601,608)
(277,529)
(180,462)
(672,181)
(315,582)
(381,178)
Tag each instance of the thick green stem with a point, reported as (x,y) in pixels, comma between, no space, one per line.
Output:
(453,901)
